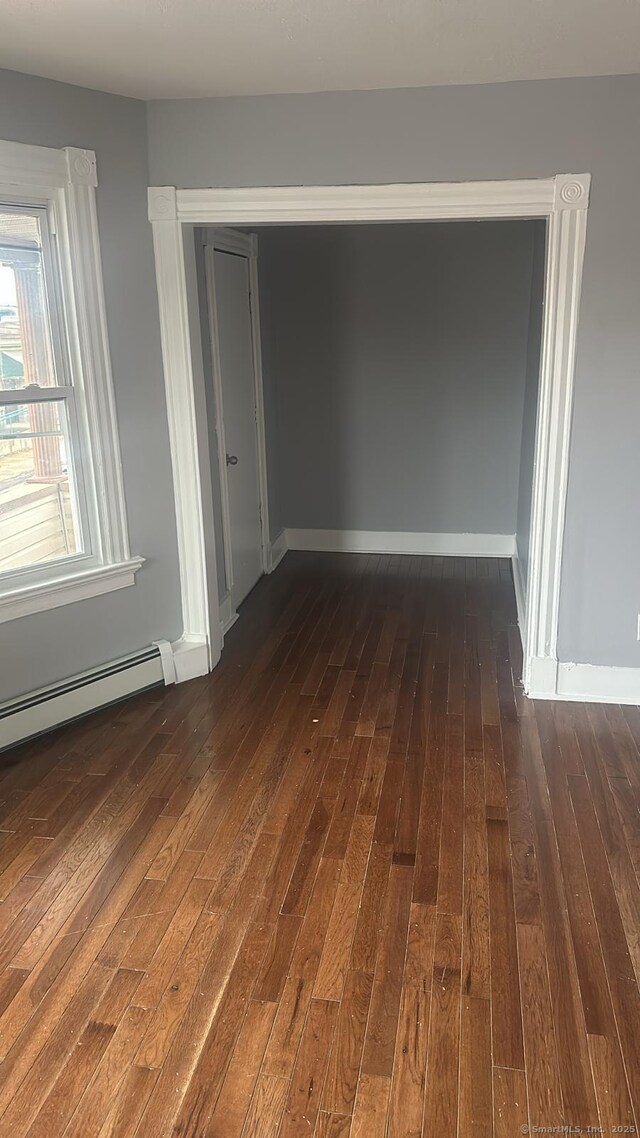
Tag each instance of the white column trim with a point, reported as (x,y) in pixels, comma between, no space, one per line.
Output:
(566,234)
(183,436)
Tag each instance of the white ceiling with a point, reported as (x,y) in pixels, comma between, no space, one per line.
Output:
(178,48)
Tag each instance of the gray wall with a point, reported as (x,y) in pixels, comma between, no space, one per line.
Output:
(45,647)
(399,356)
(511,130)
(530,409)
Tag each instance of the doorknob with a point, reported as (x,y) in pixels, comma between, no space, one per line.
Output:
(232,460)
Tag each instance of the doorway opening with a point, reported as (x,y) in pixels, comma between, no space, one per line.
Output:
(560,203)
(399,365)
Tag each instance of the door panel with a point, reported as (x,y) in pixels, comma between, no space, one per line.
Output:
(238,396)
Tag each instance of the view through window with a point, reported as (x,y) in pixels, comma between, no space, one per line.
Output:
(39,510)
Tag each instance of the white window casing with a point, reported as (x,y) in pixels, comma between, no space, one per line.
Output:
(60,186)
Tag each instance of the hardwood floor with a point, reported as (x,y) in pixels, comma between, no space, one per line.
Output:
(352,884)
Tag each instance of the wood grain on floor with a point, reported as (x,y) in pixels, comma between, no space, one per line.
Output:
(351,885)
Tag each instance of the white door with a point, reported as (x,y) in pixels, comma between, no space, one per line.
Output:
(235,347)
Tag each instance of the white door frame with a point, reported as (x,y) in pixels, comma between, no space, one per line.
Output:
(562,201)
(240,245)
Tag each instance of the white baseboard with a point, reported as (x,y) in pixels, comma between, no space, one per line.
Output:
(583,683)
(379,541)
(277,550)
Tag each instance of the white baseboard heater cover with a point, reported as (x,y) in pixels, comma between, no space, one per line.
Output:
(30,715)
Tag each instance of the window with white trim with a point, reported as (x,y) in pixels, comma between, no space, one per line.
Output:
(63,533)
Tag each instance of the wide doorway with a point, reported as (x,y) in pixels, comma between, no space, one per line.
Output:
(560,203)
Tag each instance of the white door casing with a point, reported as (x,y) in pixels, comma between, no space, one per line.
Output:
(562,201)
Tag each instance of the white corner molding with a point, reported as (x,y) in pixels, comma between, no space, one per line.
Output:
(562,201)
(379,541)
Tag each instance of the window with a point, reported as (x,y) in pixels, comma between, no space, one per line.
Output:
(62,518)
(42,507)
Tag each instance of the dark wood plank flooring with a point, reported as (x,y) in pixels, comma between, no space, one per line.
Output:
(351,884)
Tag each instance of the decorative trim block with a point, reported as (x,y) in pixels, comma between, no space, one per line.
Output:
(162,203)
(81,167)
(572,191)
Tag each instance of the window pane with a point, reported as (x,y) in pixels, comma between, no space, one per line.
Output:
(26,354)
(38,508)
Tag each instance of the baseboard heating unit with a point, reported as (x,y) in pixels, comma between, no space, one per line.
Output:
(29,715)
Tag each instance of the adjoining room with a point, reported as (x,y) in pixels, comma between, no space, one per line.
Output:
(399,369)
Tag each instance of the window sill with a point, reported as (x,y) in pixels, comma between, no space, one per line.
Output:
(63,590)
